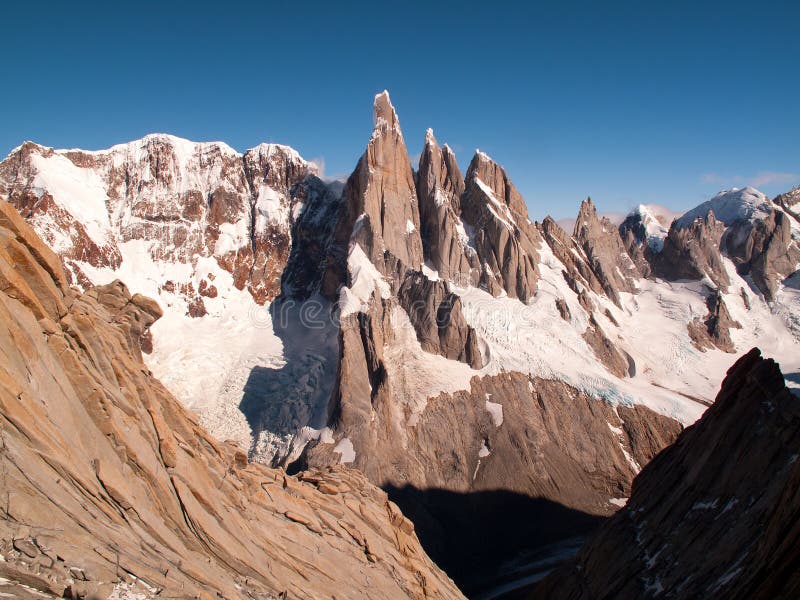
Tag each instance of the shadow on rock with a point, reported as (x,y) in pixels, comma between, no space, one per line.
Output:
(474,537)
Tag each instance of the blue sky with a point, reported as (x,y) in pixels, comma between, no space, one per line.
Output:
(628,102)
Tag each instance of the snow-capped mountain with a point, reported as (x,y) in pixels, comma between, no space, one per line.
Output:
(420,326)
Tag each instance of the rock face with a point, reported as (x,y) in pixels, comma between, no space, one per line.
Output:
(380,211)
(577,453)
(311,235)
(170,199)
(714,330)
(440,186)
(438,321)
(764,249)
(497,224)
(110,485)
(607,255)
(714,515)
(744,225)
(790,202)
(693,252)
(579,272)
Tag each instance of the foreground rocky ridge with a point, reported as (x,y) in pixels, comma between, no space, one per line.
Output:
(715,514)
(110,485)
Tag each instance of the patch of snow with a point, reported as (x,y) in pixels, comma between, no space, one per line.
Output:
(484,450)
(416,375)
(655,230)
(365,278)
(430,273)
(81,192)
(621,502)
(495,409)
(346,450)
(710,505)
(410,227)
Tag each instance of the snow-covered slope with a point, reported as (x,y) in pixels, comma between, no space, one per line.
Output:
(729,206)
(204,230)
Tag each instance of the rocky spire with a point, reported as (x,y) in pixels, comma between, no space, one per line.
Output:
(503,237)
(439,188)
(380,211)
(600,240)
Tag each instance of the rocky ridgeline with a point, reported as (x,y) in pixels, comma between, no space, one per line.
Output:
(715,514)
(183,200)
(110,486)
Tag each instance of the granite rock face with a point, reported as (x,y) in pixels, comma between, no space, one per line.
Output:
(764,249)
(505,240)
(715,514)
(693,252)
(379,211)
(576,451)
(714,330)
(440,186)
(435,312)
(607,255)
(110,486)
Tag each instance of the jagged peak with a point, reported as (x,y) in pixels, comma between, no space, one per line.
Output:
(385,114)
(430,139)
(587,210)
(480,155)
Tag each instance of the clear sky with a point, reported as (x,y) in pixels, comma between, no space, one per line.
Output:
(629,102)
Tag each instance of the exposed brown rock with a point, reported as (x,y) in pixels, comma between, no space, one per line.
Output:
(560,438)
(615,360)
(693,252)
(107,478)
(439,188)
(435,313)
(379,209)
(573,257)
(505,240)
(763,248)
(715,514)
(714,330)
(606,253)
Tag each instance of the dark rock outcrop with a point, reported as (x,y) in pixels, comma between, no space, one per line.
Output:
(715,514)
(311,235)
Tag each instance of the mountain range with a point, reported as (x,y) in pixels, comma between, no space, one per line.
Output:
(503,380)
